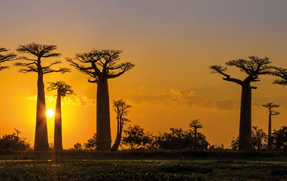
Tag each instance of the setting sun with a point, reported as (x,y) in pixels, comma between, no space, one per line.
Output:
(50,113)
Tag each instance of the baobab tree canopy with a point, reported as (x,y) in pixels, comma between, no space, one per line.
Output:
(5,57)
(101,66)
(253,68)
(35,65)
(64,88)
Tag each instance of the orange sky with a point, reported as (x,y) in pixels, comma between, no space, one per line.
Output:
(172,44)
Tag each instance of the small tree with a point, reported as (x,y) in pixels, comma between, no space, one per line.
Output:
(135,137)
(120,107)
(63,90)
(195,124)
(41,52)
(259,138)
(5,58)
(78,146)
(181,139)
(270,105)
(253,68)
(101,66)
(14,142)
(280,138)
(92,143)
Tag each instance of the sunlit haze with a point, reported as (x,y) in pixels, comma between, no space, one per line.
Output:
(172,44)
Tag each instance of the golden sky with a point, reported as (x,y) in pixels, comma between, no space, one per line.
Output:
(172,44)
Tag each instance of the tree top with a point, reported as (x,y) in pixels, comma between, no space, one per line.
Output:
(100,64)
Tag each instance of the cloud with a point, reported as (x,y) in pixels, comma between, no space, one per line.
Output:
(219,104)
(180,99)
(182,94)
(79,100)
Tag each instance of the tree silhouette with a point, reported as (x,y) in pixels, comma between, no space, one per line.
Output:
(92,143)
(281,73)
(135,137)
(101,66)
(280,138)
(35,65)
(270,105)
(5,57)
(253,68)
(195,124)
(259,139)
(63,90)
(120,107)
(78,146)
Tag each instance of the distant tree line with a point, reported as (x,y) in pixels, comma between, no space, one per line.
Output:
(260,140)
(135,137)
(14,142)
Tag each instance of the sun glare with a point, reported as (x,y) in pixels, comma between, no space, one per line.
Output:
(50,113)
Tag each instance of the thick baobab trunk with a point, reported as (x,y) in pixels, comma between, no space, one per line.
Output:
(41,136)
(58,123)
(103,116)
(245,141)
(269,131)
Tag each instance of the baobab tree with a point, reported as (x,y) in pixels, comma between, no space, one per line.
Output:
(120,107)
(195,124)
(253,68)
(270,105)
(5,58)
(63,90)
(41,53)
(101,66)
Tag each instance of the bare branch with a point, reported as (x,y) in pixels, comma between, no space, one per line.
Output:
(219,69)
(3,67)
(6,57)
(85,70)
(280,72)
(24,64)
(62,70)
(30,68)
(25,58)
(124,67)
(54,63)
(51,55)
(275,113)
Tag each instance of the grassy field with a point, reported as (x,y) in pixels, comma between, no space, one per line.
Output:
(142,165)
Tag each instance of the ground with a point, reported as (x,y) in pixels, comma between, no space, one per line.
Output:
(143,165)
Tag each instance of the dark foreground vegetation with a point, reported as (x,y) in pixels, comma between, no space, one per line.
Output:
(143,165)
